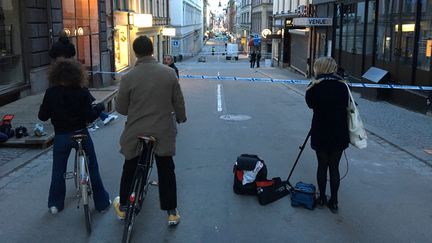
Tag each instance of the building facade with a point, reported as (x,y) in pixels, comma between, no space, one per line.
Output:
(261,18)
(132,18)
(29,28)
(291,46)
(187,19)
(244,30)
(395,36)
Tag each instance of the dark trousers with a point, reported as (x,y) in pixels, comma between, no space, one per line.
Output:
(63,145)
(252,64)
(166,178)
(329,160)
(257,63)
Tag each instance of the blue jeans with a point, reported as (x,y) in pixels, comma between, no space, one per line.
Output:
(63,145)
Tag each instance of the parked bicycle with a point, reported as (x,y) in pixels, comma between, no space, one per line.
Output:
(81,178)
(139,184)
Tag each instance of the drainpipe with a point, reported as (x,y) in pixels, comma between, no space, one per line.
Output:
(112,39)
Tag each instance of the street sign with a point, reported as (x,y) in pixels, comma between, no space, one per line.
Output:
(257,41)
(312,21)
(175,43)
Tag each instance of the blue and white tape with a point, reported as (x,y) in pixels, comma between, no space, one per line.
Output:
(306,82)
(296,81)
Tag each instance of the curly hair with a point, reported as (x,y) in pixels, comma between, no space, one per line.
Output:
(68,73)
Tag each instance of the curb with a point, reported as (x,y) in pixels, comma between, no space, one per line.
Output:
(19,163)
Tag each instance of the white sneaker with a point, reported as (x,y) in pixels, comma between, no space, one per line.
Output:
(53,210)
(109,119)
(93,128)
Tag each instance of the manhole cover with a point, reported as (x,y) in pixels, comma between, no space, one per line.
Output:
(231,117)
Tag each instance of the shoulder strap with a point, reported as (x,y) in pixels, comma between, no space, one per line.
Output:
(350,97)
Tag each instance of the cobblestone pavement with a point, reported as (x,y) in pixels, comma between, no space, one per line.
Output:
(8,154)
(39,166)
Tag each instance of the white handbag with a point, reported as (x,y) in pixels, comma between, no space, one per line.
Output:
(356,130)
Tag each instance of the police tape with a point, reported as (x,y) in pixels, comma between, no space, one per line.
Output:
(307,82)
(293,81)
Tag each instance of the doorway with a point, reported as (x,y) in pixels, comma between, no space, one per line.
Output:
(80,20)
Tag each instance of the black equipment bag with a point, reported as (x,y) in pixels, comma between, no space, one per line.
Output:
(303,194)
(269,191)
(247,162)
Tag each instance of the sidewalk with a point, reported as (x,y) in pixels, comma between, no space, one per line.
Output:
(17,152)
(404,129)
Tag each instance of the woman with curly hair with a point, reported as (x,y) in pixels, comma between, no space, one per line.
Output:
(68,103)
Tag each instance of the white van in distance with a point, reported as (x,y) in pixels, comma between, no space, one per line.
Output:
(232,51)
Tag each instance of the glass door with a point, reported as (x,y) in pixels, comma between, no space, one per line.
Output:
(80,20)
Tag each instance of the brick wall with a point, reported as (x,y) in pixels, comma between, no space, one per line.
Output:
(36,37)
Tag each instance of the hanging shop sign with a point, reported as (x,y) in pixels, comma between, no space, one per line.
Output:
(265,32)
(312,21)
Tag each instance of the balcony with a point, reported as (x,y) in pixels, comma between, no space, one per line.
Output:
(161,21)
(260,2)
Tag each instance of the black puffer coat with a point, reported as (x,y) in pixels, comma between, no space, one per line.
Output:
(62,48)
(329,101)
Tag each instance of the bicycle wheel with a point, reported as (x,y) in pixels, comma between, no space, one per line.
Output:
(75,171)
(132,210)
(85,189)
(87,218)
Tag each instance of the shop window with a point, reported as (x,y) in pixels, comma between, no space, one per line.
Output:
(370,28)
(385,30)
(11,69)
(424,60)
(121,47)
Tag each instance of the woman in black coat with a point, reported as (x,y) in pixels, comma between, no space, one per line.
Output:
(63,47)
(327,96)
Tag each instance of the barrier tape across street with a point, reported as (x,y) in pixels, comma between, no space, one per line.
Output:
(298,81)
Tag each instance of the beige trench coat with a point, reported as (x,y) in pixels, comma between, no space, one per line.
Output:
(148,95)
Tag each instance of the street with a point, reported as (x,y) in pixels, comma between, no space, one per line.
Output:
(385,196)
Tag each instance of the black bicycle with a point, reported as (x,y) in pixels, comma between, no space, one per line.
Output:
(139,184)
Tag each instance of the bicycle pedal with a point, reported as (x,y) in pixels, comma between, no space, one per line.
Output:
(69,175)
(154,183)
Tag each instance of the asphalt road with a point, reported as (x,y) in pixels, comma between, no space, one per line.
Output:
(384,198)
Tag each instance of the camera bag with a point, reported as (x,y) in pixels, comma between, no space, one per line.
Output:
(269,191)
(248,169)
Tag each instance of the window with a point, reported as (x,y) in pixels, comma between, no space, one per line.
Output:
(121,47)
(11,68)
(80,20)
(424,60)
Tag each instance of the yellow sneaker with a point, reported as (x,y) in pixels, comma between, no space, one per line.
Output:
(174,219)
(121,214)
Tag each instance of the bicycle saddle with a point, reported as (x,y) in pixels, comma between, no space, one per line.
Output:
(147,138)
(79,136)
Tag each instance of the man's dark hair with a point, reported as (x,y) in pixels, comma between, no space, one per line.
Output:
(143,46)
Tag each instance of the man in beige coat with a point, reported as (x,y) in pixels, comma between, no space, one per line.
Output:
(148,96)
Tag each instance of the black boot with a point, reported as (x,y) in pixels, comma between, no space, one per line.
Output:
(333,205)
(321,201)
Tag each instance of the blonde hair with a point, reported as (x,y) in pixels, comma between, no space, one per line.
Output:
(324,65)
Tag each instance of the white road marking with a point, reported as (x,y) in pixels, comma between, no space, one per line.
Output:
(219,98)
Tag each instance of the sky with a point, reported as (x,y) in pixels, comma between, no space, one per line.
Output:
(215,3)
